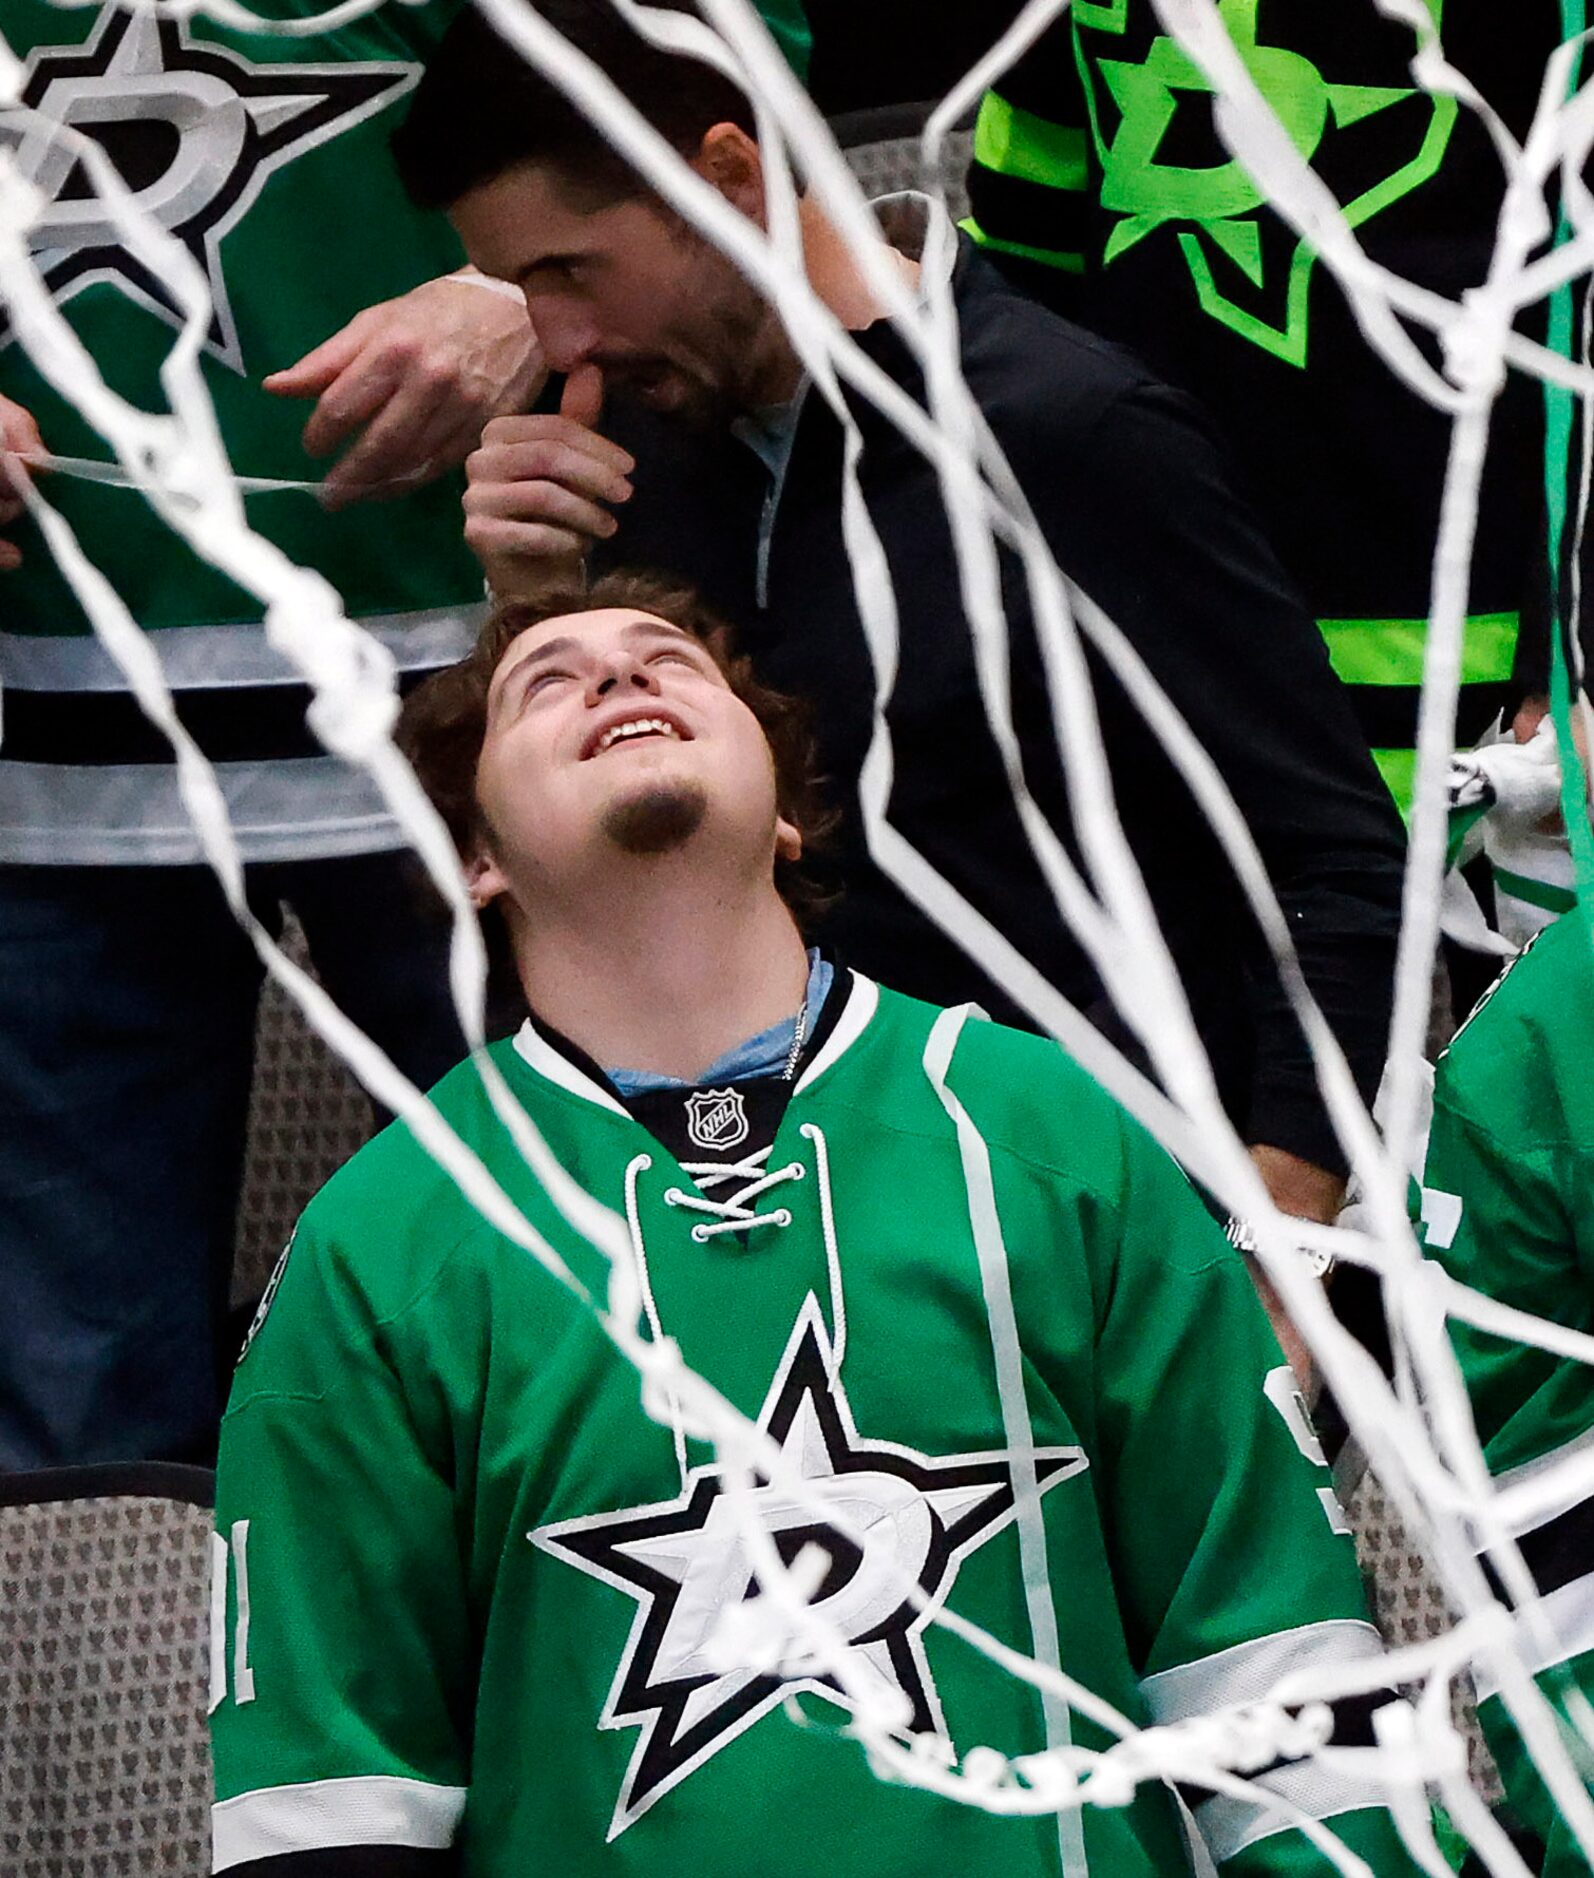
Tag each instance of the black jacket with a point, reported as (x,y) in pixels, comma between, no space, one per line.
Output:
(1136,503)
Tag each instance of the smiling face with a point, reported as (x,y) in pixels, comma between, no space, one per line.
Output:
(626,285)
(611,734)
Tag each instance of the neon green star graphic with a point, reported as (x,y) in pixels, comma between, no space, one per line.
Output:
(1221,199)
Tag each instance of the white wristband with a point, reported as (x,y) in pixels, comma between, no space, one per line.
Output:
(504,287)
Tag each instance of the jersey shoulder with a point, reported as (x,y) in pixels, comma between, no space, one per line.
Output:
(1031,1100)
(392,1211)
(1518,1065)
(371,1247)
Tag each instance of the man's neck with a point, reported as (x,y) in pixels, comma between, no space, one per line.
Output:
(668,974)
(837,279)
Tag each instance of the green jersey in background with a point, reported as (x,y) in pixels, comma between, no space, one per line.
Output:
(1508,1207)
(470,1587)
(266,155)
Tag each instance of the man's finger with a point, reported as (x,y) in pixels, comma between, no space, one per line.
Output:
(311,375)
(406,439)
(582,398)
(17,470)
(510,432)
(548,459)
(527,547)
(353,399)
(540,504)
(19,440)
(19,431)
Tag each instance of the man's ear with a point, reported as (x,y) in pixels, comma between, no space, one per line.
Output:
(788,840)
(730,160)
(484,879)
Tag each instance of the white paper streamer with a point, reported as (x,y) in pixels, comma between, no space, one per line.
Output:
(1419,1434)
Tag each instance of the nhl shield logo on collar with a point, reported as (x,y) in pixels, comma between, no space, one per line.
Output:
(716,1118)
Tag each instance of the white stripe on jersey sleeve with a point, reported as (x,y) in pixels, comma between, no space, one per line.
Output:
(1249,1672)
(1567,1614)
(1229,1825)
(1535,1492)
(318,1815)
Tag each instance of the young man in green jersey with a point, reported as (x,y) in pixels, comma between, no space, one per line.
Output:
(470,1603)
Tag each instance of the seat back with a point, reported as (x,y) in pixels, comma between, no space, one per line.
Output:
(104,1642)
(885,158)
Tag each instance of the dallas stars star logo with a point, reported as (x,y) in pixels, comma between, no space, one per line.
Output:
(193,130)
(1249,269)
(685,1564)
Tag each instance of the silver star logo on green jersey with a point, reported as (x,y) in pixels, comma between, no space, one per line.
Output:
(1215,206)
(193,130)
(686,1564)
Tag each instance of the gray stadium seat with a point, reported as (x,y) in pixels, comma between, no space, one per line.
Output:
(307,1115)
(104,1621)
(891,163)
(1409,1606)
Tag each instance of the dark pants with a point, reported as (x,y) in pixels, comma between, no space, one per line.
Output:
(127,1021)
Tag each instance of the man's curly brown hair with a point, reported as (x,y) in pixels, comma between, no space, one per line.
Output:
(444,720)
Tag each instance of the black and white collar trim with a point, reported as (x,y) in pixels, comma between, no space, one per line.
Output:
(559,1062)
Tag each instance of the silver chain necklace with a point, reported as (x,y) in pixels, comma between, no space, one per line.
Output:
(799,1035)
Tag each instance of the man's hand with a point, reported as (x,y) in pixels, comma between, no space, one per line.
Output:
(19,436)
(537,486)
(1305,1191)
(1300,1187)
(417,378)
(1530,713)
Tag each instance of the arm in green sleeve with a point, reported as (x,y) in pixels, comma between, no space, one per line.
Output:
(1234,1561)
(341,1688)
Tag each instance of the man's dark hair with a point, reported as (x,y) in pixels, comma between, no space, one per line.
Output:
(444,720)
(480,108)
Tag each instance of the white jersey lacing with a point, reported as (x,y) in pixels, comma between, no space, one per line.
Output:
(738,1212)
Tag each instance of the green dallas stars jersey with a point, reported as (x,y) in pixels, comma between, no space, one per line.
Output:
(1508,1206)
(266,155)
(467,1587)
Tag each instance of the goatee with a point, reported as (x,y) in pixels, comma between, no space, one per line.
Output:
(658,820)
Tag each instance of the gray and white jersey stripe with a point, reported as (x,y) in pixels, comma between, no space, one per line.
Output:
(1546,1506)
(130,814)
(1229,1825)
(1247,1673)
(285,805)
(1563,1628)
(233,654)
(317,1815)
